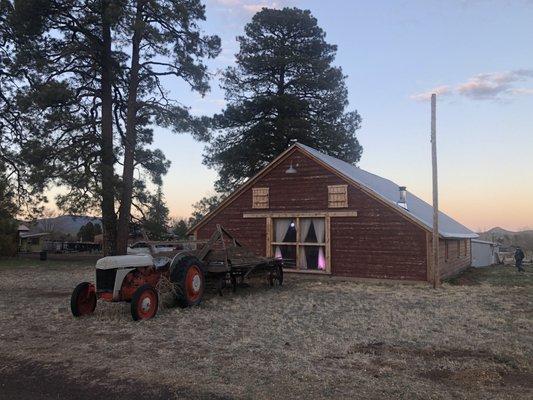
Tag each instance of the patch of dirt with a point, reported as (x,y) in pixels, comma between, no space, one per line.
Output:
(523,379)
(471,376)
(26,380)
(481,377)
(380,348)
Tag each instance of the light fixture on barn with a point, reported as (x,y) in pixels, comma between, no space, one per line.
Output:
(291,169)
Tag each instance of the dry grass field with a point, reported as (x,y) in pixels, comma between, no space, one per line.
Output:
(310,339)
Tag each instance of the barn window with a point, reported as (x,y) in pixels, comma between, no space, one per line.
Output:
(260,198)
(337,196)
(458,249)
(446,250)
(300,242)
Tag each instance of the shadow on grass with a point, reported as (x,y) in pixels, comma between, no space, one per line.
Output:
(18,262)
(496,275)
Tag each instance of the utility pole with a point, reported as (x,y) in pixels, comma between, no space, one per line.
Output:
(435,241)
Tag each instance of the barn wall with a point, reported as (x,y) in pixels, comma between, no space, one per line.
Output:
(457,259)
(378,243)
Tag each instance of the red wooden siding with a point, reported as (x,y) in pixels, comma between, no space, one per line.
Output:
(378,243)
(457,258)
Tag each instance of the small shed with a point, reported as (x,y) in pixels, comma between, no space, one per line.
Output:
(31,242)
(484,253)
(324,216)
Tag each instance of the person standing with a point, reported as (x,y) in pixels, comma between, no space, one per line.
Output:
(519,257)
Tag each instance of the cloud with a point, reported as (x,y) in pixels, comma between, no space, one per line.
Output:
(250,7)
(522,91)
(493,85)
(486,86)
(254,8)
(443,90)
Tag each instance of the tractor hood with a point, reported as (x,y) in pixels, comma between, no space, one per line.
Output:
(113,262)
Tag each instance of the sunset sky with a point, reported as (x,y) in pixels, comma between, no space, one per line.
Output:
(476,55)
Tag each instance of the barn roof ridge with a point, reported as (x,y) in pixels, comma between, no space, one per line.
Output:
(389,191)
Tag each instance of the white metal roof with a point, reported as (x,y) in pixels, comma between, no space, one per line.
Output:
(484,242)
(33,235)
(23,228)
(389,191)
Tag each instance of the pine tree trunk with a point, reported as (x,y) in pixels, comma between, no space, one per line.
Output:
(130,136)
(109,218)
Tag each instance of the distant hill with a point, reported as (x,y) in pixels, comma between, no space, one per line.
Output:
(64,224)
(523,239)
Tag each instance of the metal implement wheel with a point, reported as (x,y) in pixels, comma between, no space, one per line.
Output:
(221,283)
(83,299)
(276,276)
(144,303)
(233,280)
(189,275)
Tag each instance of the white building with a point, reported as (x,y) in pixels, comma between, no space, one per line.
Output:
(484,253)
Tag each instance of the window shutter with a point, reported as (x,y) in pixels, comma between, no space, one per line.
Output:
(338,196)
(260,198)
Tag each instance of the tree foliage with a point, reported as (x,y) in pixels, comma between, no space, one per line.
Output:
(203,207)
(66,69)
(180,228)
(87,232)
(284,87)
(166,42)
(155,223)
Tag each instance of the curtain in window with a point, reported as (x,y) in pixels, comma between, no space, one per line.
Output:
(305,225)
(281,227)
(318,224)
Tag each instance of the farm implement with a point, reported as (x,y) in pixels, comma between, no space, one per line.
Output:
(141,279)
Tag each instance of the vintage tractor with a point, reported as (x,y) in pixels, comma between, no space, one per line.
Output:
(137,279)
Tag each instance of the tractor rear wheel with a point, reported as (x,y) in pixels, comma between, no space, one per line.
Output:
(83,299)
(144,303)
(189,275)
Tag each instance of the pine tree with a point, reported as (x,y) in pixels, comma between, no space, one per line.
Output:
(166,42)
(180,228)
(87,232)
(203,207)
(8,211)
(155,223)
(283,87)
(84,92)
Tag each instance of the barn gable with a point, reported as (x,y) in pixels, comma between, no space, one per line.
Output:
(382,189)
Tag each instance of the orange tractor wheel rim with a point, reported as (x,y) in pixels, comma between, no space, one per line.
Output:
(193,283)
(147,304)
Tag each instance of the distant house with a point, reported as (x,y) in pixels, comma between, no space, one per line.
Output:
(31,242)
(325,216)
(484,253)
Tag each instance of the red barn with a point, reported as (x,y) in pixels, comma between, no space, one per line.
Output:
(325,216)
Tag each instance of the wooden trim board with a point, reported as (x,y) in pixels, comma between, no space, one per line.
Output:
(299,214)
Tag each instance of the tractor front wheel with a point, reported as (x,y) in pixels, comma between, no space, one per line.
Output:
(83,299)
(144,303)
(189,275)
